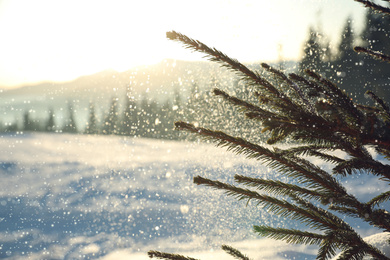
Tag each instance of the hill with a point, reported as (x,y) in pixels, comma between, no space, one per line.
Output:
(157,81)
(164,74)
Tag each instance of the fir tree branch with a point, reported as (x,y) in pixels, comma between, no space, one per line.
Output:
(376,7)
(379,199)
(279,188)
(250,108)
(290,235)
(327,249)
(314,179)
(312,150)
(359,249)
(279,207)
(234,252)
(320,139)
(379,218)
(345,210)
(353,253)
(378,100)
(336,222)
(346,103)
(346,240)
(217,56)
(294,86)
(280,129)
(329,242)
(375,54)
(313,88)
(368,109)
(362,164)
(351,143)
(161,255)
(335,120)
(310,167)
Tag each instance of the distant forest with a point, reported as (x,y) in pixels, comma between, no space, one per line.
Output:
(148,117)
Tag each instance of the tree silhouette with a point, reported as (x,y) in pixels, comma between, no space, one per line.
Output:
(92,124)
(110,123)
(70,123)
(50,124)
(313,53)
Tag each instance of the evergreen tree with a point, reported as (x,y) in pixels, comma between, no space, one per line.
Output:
(70,123)
(192,106)
(320,118)
(143,117)
(50,124)
(92,126)
(129,117)
(110,123)
(375,36)
(313,53)
(30,124)
(27,122)
(348,63)
(345,51)
(167,121)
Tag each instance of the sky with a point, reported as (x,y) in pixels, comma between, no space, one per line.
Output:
(52,40)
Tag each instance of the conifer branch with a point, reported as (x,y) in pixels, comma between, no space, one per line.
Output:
(379,199)
(313,150)
(234,252)
(314,179)
(217,56)
(290,235)
(343,100)
(324,118)
(352,212)
(336,222)
(320,139)
(161,255)
(294,86)
(363,164)
(279,188)
(359,250)
(376,7)
(377,218)
(375,54)
(351,244)
(328,247)
(312,87)
(250,108)
(378,100)
(353,253)
(279,207)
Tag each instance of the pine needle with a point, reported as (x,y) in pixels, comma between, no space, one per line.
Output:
(376,7)
(161,255)
(234,252)
(375,54)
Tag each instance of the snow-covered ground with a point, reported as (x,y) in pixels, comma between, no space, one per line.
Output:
(108,197)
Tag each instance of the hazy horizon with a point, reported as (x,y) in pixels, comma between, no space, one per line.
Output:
(55,41)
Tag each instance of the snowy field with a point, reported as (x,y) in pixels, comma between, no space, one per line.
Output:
(107,197)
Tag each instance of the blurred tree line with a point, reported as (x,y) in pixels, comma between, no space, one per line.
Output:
(150,118)
(352,72)
(142,117)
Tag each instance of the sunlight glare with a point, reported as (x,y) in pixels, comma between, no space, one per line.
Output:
(52,40)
